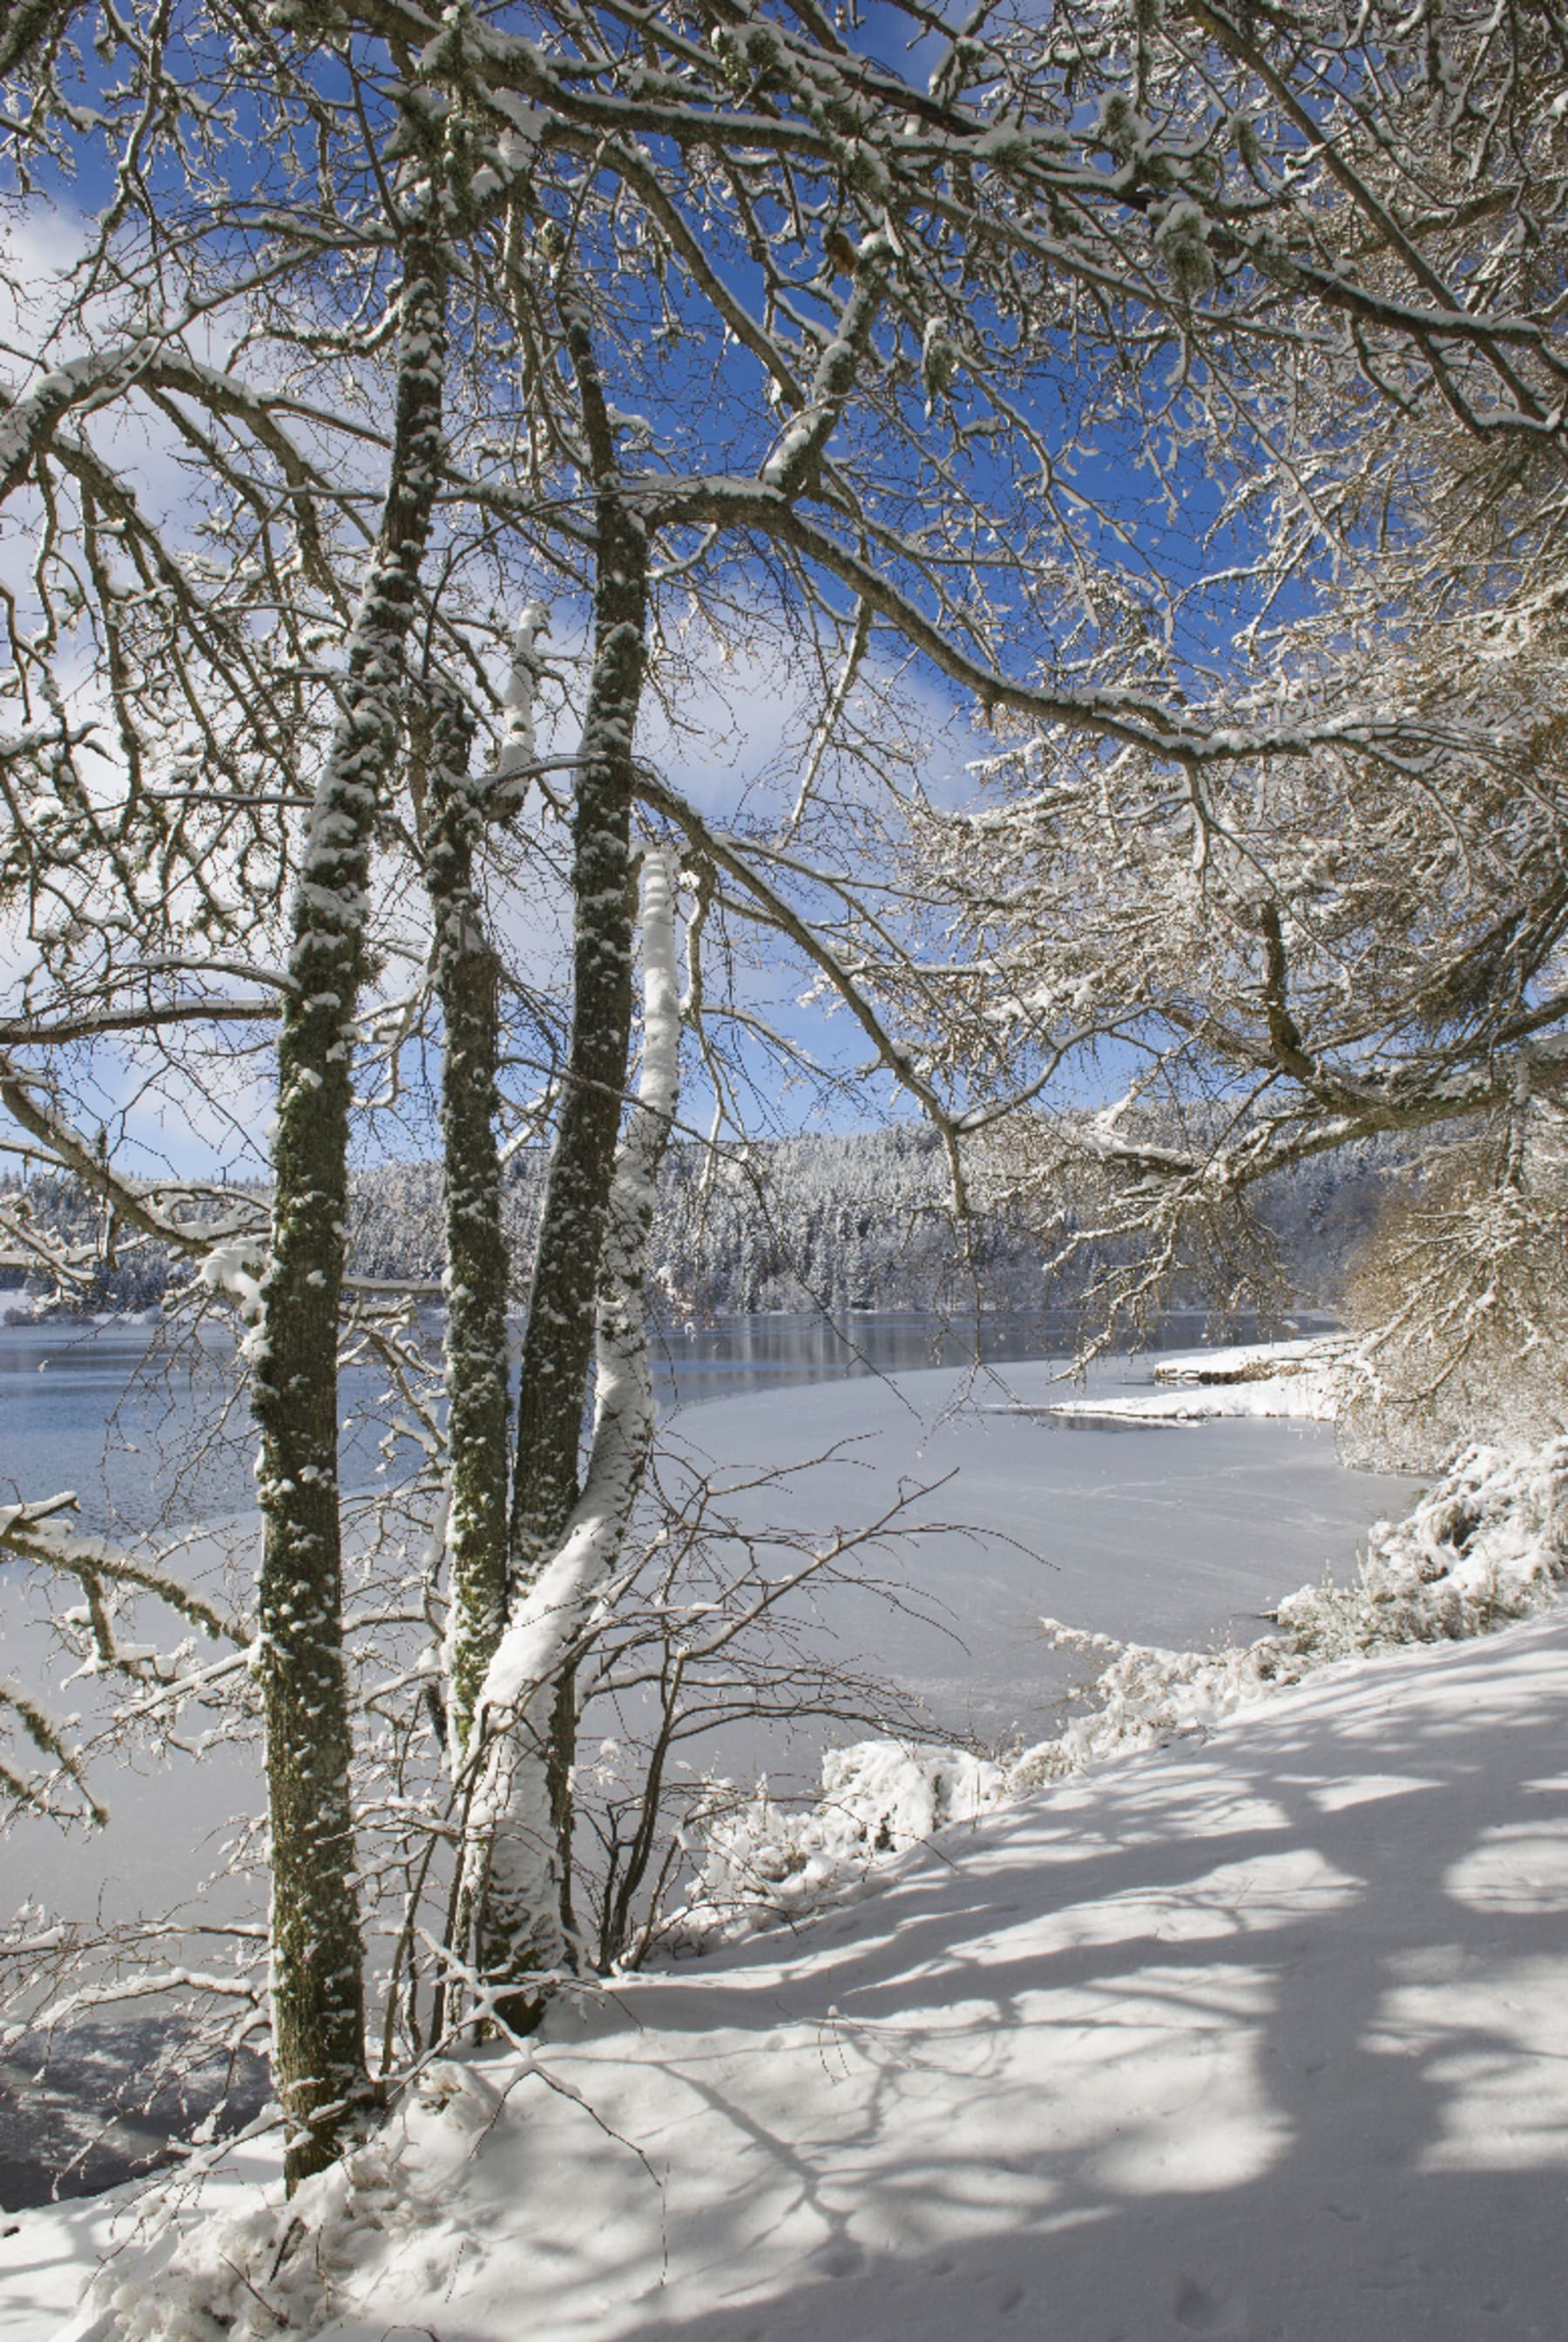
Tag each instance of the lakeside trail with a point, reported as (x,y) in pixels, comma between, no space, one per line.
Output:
(1261,2036)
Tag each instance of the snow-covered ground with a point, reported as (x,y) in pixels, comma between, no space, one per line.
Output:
(1263,2035)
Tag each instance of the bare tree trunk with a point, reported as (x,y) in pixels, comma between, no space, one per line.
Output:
(318,1990)
(564,1294)
(466,973)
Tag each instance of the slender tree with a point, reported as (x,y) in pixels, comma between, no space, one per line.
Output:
(317,1961)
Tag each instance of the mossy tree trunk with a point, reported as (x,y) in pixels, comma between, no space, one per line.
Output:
(466,983)
(564,1293)
(317,1984)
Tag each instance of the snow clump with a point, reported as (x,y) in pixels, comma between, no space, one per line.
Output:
(764,1863)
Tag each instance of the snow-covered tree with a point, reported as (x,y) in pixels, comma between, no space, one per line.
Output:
(724,339)
(1359,943)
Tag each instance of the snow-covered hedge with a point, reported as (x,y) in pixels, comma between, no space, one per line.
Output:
(1487,1545)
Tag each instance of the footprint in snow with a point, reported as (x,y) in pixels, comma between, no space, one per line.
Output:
(1201,2312)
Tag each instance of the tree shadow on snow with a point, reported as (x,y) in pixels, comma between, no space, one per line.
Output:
(1361,2133)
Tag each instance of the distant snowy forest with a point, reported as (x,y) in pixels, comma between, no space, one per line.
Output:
(828,1222)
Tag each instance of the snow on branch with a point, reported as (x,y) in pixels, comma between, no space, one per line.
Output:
(47,1736)
(34,1533)
(26,1094)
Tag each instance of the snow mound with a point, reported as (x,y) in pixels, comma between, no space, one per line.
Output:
(1298,1379)
(765,1863)
(269,2266)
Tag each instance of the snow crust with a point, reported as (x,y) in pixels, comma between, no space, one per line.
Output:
(1262,2033)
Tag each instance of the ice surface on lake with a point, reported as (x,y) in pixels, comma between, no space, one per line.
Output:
(1168,1535)
(1175,1536)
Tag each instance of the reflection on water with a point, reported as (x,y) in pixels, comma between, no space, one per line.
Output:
(741,1353)
(150,1426)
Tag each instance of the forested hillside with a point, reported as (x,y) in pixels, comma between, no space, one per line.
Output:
(829,1221)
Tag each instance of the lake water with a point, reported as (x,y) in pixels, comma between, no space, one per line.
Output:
(1174,1536)
(111,1411)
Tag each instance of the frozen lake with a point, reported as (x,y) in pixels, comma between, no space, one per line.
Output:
(1175,1536)
(111,1410)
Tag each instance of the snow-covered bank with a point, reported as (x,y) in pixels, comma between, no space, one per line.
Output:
(1486,1548)
(1261,2034)
(1260,1379)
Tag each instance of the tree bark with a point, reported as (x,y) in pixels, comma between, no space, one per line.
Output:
(531,1675)
(563,1290)
(563,1295)
(318,1990)
(467,975)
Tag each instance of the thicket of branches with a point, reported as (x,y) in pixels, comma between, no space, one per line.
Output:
(436,409)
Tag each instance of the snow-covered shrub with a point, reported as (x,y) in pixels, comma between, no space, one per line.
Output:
(1484,1547)
(1459,1303)
(764,1862)
(273,2264)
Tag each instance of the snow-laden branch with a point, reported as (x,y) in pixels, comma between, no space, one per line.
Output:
(1115,711)
(25,1095)
(155,363)
(35,1533)
(792,464)
(88,1024)
(1412,1096)
(47,1734)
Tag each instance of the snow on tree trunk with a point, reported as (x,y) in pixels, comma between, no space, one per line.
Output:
(317,1984)
(558,1343)
(466,972)
(517,1810)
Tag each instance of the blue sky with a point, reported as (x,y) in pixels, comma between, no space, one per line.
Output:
(748,761)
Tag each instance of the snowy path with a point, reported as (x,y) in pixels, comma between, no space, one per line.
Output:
(1262,2038)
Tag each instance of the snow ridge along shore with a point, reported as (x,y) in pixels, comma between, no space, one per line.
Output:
(1261,2034)
(1258,1379)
